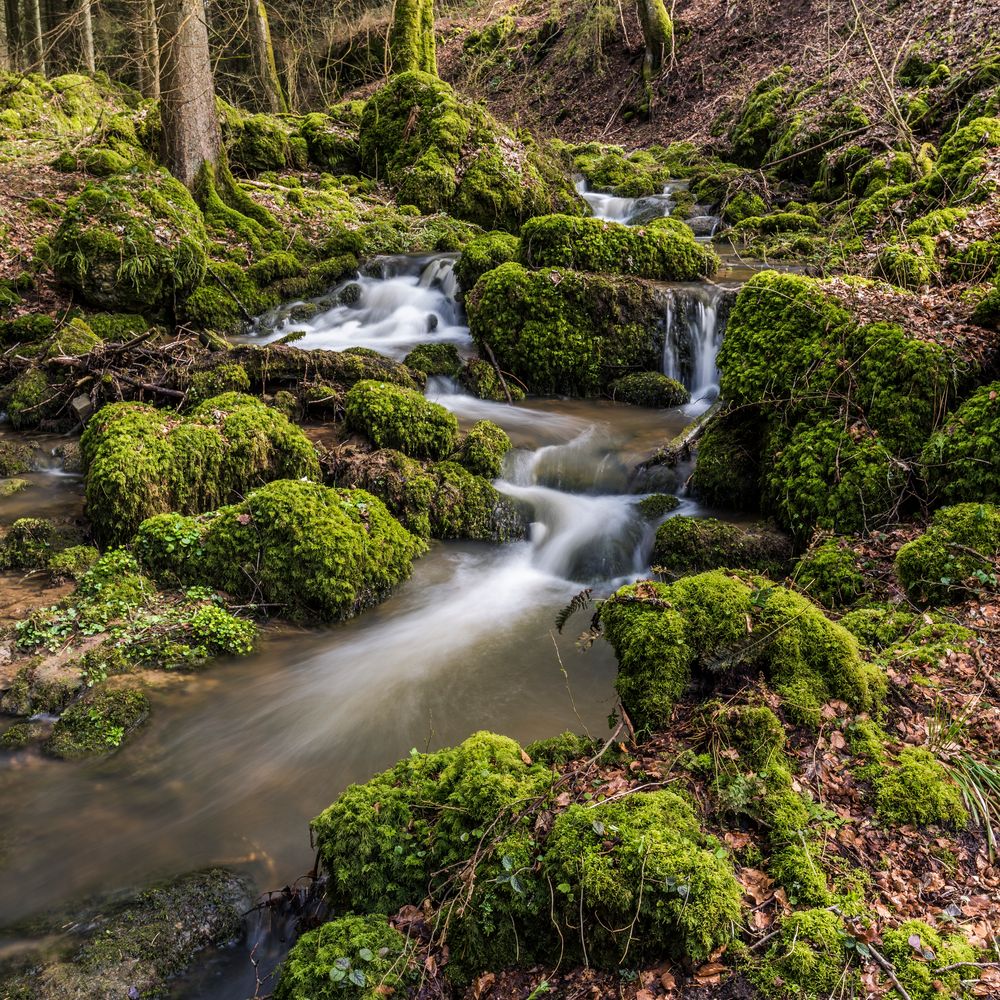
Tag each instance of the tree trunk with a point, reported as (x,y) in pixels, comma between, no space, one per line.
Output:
(658,32)
(87,36)
(13,33)
(411,37)
(34,11)
(191,136)
(263,57)
(149,46)
(5,61)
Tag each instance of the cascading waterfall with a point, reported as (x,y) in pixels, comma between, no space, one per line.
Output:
(630,211)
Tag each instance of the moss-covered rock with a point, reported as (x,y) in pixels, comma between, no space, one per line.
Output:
(918,791)
(441,153)
(483,254)
(435,359)
(829,574)
(140,461)
(15,457)
(961,168)
(807,958)
(360,958)
(132,244)
(664,634)
(482,380)
(909,263)
(395,417)
(955,557)
(696,544)
(97,724)
(26,544)
(483,449)
(728,470)
(310,551)
(663,249)
(651,389)
(931,964)
(565,331)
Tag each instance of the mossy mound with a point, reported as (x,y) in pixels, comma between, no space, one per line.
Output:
(15,457)
(566,332)
(663,249)
(611,169)
(397,838)
(961,165)
(140,461)
(961,460)
(909,263)
(483,449)
(435,359)
(394,417)
(728,470)
(829,574)
(482,380)
(98,723)
(697,544)
(807,959)
(918,791)
(931,965)
(650,389)
(132,244)
(483,254)
(298,547)
(955,557)
(441,153)
(360,958)
(664,634)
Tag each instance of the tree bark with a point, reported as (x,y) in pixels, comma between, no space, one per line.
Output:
(411,37)
(658,32)
(263,57)
(5,60)
(34,10)
(149,51)
(191,136)
(87,36)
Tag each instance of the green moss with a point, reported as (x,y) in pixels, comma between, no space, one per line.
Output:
(28,399)
(557,751)
(98,723)
(829,574)
(960,171)
(918,791)
(360,958)
(650,389)
(657,505)
(313,552)
(132,244)
(758,119)
(140,461)
(26,544)
(483,254)
(394,417)
(22,734)
(483,449)
(481,379)
(215,381)
(954,557)
(662,634)
(117,327)
(441,153)
(411,37)
(8,487)
(255,143)
(435,359)
(807,958)
(959,461)
(331,144)
(73,562)
(32,693)
(918,965)
(563,331)
(728,471)
(743,205)
(611,169)
(696,544)
(664,249)
(778,222)
(31,327)
(909,263)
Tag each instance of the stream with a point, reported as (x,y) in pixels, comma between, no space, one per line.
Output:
(235,761)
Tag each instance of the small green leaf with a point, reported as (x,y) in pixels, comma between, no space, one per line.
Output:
(337,975)
(598,828)
(507,862)
(342,963)
(366,955)
(357,977)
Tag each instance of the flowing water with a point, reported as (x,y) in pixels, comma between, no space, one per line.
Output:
(636,211)
(235,761)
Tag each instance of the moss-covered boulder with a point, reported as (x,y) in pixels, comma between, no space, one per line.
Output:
(696,544)
(483,254)
(132,244)
(483,449)
(706,625)
(960,172)
(728,467)
(435,359)
(394,417)
(442,153)
(357,958)
(305,550)
(955,557)
(140,461)
(651,389)
(829,574)
(97,724)
(917,790)
(928,962)
(566,332)
(663,249)
(962,461)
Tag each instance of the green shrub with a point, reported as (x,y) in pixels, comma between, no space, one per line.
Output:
(696,544)
(395,417)
(649,389)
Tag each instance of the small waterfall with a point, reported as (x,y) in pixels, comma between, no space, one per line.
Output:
(695,320)
(630,211)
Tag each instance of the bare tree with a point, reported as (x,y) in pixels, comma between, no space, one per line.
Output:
(87,36)
(263,57)
(34,12)
(191,136)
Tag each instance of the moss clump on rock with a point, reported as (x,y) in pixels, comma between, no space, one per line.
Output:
(664,634)
(650,389)
(441,153)
(483,254)
(359,958)
(960,170)
(829,574)
(664,249)
(954,557)
(696,544)
(565,331)
(26,544)
(313,552)
(482,380)
(931,966)
(656,505)
(218,380)
(918,791)
(807,958)
(909,263)
(394,417)
(728,471)
(15,457)
(140,461)
(97,724)
(435,359)
(132,244)
(483,449)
